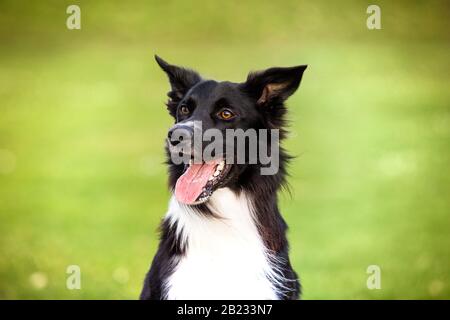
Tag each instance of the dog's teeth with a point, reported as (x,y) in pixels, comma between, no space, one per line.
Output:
(211,178)
(221,166)
(216,173)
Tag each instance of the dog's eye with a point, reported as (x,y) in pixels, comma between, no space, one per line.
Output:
(226,114)
(184,109)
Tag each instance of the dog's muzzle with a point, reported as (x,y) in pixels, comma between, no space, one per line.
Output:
(180,140)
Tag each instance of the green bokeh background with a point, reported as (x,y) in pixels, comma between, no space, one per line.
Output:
(82,124)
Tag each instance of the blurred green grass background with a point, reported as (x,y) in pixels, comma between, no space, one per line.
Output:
(82,124)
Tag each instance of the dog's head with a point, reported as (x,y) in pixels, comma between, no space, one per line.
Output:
(205,109)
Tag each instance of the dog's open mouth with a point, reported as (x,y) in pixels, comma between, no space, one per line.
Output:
(199,181)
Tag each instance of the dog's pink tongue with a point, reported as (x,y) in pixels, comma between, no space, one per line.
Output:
(190,185)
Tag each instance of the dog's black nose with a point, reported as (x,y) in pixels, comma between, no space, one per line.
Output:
(180,133)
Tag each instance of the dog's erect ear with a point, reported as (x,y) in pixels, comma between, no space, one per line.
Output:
(274,85)
(181,79)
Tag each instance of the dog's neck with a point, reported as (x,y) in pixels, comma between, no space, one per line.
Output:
(262,192)
(226,248)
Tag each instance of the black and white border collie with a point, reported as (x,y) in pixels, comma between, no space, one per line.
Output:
(223,236)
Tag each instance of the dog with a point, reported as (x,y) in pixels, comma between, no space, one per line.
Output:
(223,236)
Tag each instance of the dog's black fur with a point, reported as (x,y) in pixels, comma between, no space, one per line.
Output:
(258,103)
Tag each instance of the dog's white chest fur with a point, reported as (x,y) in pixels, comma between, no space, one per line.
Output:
(225,258)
